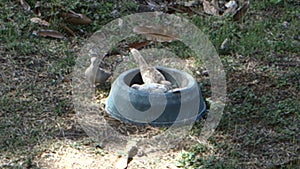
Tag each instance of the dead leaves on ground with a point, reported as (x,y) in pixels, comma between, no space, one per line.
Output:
(138,45)
(69,17)
(49,33)
(229,8)
(76,18)
(237,9)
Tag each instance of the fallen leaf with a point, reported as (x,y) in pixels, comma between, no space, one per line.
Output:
(68,29)
(76,18)
(49,33)
(138,45)
(158,37)
(25,5)
(156,33)
(210,8)
(40,21)
(241,12)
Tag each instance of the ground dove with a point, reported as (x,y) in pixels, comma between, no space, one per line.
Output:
(154,81)
(94,74)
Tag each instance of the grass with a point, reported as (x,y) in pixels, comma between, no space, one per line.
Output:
(260,125)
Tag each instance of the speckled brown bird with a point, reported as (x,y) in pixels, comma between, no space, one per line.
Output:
(150,74)
(94,74)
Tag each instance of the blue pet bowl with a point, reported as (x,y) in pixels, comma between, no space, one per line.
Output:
(181,107)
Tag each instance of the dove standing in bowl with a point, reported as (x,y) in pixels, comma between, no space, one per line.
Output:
(154,81)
